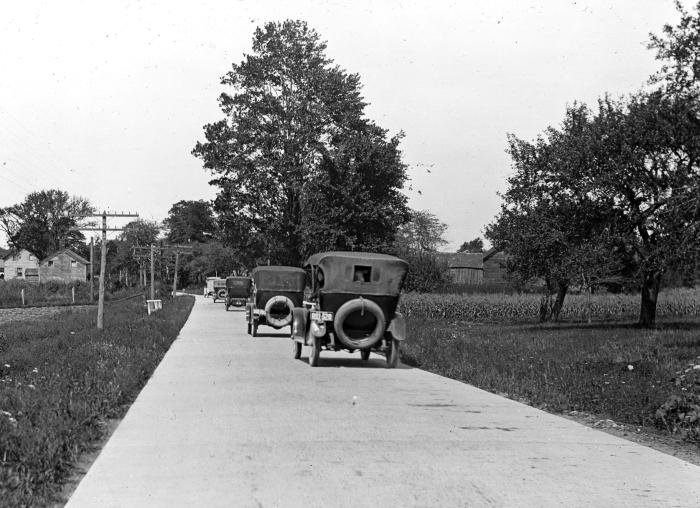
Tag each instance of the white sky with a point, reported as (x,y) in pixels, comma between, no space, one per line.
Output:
(106,99)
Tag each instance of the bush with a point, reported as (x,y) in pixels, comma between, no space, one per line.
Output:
(426,273)
(60,378)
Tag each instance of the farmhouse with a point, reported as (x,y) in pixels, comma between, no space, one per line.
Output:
(3,253)
(64,265)
(21,264)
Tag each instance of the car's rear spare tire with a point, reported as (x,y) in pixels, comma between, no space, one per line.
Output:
(278,311)
(359,323)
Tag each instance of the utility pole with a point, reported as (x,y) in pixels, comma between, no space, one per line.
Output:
(103,259)
(177,249)
(92,270)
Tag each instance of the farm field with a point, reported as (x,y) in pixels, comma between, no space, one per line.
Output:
(503,308)
(60,382)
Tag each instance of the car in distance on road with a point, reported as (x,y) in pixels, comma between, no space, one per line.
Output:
(216,288)
(352,306)
(276,291)
(237,291)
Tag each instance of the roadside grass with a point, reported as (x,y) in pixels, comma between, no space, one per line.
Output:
(61,379)
(646,378)
(53,293)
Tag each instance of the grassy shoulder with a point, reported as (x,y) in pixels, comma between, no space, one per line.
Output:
(646,379)
(61,379)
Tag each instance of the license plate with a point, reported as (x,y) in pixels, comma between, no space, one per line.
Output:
(321,316)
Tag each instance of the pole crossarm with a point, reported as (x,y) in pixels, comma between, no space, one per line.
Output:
(99,229)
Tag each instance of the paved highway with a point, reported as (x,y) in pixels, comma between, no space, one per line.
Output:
(231,420)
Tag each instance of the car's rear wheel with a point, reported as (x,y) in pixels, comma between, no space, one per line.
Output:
(315,351)
(297,349)
(392,355)
(364,354)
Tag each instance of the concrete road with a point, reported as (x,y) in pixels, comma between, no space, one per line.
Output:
(231,420)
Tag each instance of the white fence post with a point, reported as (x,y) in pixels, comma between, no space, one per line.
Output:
(22,296)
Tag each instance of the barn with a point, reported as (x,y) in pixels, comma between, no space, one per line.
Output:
(495,267)
(465,268)
(64,265)
(476,268)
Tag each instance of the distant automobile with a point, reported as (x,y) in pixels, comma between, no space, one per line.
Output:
(276,291)
(352,306)
(237,291)
(215,288)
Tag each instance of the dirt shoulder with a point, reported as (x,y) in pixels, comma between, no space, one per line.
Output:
(645,436)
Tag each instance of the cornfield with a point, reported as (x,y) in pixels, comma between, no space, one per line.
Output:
(525,307)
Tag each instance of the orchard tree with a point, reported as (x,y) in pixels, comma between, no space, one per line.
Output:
(297,164)
(45,222)
(549,227)
(644,157)
(191,221)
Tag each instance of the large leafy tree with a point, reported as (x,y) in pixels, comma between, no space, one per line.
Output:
(424,232)
(45,222)
(190,221)
(298,166)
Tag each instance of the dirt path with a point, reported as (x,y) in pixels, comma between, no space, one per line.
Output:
(29,313)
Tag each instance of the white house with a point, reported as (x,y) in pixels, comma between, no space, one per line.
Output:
(21,264)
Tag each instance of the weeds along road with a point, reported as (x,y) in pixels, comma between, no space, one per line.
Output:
(231,420)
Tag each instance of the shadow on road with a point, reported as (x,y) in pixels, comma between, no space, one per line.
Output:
(273,335)
(352,363)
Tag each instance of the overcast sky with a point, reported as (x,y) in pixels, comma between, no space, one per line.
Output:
(106,99)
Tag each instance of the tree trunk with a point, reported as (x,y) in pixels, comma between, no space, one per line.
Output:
(545,307)
(562,288)
(650,293)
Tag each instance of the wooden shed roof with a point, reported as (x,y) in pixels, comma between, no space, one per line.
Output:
(472,260)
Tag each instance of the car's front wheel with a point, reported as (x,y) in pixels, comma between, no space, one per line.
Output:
(315,351)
